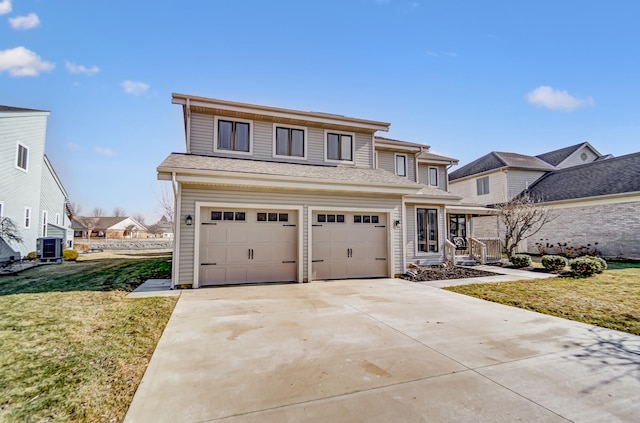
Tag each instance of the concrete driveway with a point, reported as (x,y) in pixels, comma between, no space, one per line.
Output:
(383,350)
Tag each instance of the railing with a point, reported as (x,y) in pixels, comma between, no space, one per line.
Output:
(493,248)
(478,251)
(449,251)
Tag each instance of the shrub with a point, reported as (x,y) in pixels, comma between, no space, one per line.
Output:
(70,255)
(521,260)
(587,265)
(32,256)
(554,263)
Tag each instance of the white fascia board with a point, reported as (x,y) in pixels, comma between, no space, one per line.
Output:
(392,147)
(283,113)
(23,114)
(275,181)
(625,197)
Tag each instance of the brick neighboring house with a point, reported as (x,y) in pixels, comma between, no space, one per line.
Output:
(107,228)
(595,197)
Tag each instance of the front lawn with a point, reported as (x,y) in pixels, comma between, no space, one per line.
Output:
(72,348)
(610,299)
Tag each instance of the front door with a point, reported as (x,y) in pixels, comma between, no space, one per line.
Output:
(458,231)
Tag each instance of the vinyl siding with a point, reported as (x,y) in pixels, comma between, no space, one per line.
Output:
(575,159)
(423,174)
(20,189)
(202,136)
(52,199)
(467,188)
(193,193)
(412,256)
(387,161)
(519,180)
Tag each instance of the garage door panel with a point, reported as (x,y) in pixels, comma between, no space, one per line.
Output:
(248,249)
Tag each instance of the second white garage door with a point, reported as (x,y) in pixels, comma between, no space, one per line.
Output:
(349,245)
(248,246)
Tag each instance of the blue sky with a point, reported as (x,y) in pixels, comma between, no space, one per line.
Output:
(465,77)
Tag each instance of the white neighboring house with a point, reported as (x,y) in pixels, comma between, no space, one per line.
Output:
(31,194)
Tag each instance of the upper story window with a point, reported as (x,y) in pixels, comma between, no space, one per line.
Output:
(45,218)
(401,165)
(233,135)
(22,157)
(339,147)
(290,141)
(433,176)
(482,185)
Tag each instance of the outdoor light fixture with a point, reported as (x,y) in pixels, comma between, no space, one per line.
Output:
(189,220)
(396,224)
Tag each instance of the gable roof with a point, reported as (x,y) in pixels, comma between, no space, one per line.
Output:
(558,156)
(102,223)
(18,109)
(616,175)
(497,160)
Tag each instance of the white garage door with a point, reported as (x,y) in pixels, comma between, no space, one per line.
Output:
(248,246)
(349,245)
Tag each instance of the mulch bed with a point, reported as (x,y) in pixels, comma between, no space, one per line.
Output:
(438,273)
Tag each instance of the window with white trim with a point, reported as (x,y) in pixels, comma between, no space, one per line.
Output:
(22,157)
(233,135)
(427,225)
(482,185)
(45,217)
(433,176)
(27,217)
(339,147)
(401,164)
(289,141)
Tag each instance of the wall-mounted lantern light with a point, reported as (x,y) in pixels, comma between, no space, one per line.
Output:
(397,224)
(189,220)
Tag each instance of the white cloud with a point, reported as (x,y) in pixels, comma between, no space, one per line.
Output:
(20,62)
(25,22)
(451,54)
(432,54)
(5,7)
(73,146)
(545,96)
(134,88)
(104,151)
(73,68)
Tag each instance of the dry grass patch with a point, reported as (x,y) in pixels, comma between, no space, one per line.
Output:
(73,348)
(610,299)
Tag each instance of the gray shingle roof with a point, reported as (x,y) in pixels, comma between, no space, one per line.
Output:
(17,109)
(84,222)
(430,156)
(613,176)
(302,171)
(497,160)
(557,156)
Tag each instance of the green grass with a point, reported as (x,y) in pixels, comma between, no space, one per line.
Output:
(610,299)
(72,347)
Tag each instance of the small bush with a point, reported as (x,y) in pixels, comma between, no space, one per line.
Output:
(521,260)
(587,265)
(70,255)
(32,256)
(554,263)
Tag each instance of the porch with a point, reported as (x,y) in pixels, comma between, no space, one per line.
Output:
(461,247)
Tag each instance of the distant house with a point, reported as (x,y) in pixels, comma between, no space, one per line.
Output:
(107,227)
(165,227)
(595,198)
(31,194)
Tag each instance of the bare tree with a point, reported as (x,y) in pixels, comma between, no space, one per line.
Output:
(97,212)
(139,217)
(9,231)
(155,229)
(119,212)
(166,202)
(522,218)
(73,209)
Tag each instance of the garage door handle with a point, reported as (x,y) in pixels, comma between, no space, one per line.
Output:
(380,258)
(316,225)
(250,254)
(349,252)
(209,223)
(317,261)
(289,225)
(289,261)
(208,264)
(380,226)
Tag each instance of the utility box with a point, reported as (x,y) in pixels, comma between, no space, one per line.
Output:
(50,249)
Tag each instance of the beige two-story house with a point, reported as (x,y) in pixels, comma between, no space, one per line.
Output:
(266,194)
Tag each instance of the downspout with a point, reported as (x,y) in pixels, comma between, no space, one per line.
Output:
(415,159)
(446,179)
(188,125)
(176,230)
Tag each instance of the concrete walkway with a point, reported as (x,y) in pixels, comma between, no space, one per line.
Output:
(384,350)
